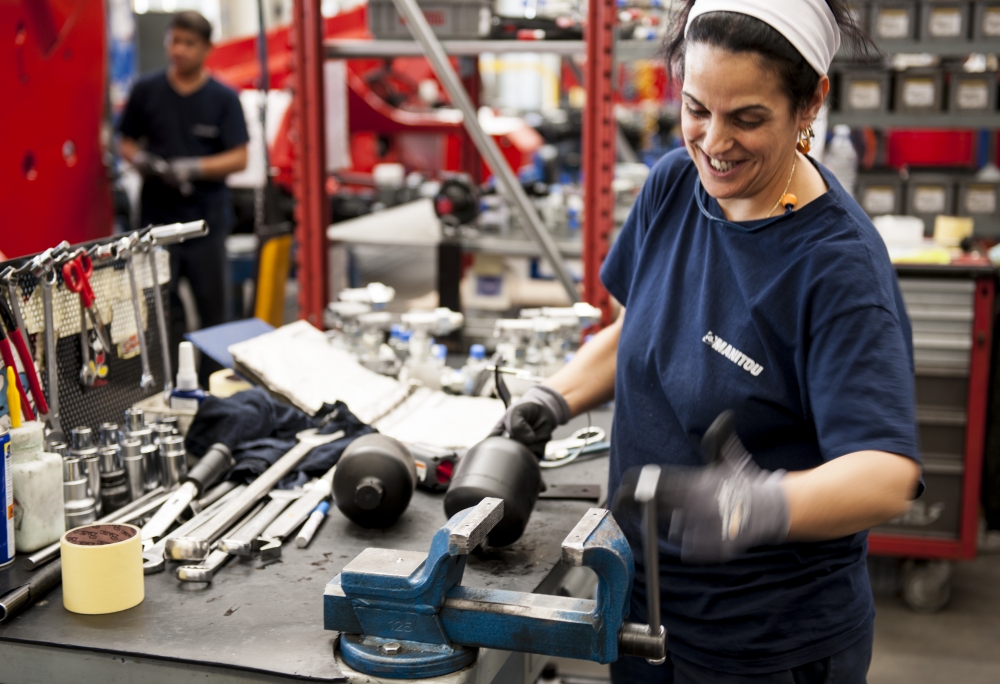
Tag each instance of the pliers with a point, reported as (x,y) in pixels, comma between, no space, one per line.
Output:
(14,332)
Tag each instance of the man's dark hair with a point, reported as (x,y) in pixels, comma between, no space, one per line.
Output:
(740,33)
(192,21)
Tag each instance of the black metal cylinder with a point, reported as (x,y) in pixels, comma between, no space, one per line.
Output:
(504,469)
(374,480)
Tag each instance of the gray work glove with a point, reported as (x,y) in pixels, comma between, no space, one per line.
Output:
(149,164)
(721,510)
(533,418)
(182,173)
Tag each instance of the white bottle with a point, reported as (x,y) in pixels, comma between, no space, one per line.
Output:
(473,365)
(38,490)
(186,394)
(841,158)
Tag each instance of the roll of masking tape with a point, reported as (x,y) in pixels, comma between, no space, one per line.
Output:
(102,569)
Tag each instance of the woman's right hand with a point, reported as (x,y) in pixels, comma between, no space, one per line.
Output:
(533,418)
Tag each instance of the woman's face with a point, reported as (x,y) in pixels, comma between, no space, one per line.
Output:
(737,123)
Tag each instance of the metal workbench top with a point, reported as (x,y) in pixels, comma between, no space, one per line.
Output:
(258,623)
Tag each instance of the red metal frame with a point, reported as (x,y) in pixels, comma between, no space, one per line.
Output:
(312,212)
(975,440)
(598,152)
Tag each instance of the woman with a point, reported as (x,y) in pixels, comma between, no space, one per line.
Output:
(752,281)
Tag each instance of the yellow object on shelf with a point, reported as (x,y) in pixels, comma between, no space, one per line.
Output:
(225,383)
(102,569)
(949,231)
(13,398)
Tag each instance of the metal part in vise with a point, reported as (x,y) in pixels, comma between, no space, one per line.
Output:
(405,613)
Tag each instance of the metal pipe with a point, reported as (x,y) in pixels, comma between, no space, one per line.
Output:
(435,54)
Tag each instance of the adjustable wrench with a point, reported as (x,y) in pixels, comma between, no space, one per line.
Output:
(43,269)
(124,250)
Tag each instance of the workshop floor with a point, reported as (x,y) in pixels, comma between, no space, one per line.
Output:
(959,644)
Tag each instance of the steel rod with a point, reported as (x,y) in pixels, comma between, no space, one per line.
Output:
(435,54)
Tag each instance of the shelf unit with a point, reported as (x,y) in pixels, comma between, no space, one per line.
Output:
(942,120)
(309,51)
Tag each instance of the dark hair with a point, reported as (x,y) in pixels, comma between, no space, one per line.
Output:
(736,32)
(192,21)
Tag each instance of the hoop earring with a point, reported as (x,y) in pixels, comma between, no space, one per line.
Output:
(804,143)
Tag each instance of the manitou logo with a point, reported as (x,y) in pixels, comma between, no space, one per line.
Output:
(732,353)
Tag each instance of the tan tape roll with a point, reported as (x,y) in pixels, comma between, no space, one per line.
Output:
(102,569)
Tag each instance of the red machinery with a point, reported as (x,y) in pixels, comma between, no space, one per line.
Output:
(53,182)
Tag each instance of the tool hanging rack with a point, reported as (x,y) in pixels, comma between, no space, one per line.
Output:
(21,286)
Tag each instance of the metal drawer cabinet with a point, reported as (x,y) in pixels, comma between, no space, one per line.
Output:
(951,309)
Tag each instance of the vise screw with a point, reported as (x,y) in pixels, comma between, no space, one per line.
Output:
(404,614)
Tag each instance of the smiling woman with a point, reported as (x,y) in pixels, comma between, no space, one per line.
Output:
(753,288)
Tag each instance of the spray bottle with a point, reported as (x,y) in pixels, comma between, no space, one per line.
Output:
(186,394)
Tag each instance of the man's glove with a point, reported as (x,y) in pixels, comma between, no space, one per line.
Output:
(183,171)
(149,164)
(533,418)
(721,510)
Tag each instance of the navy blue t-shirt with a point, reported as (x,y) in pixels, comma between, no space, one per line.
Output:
(205,122)
(797,324)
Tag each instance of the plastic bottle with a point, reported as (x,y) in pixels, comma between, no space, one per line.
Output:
(186,394)
(842,159)
(473,365)
(38,489)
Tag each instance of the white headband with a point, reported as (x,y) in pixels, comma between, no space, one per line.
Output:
(809,25)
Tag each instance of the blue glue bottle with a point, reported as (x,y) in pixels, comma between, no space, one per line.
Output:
(186,394)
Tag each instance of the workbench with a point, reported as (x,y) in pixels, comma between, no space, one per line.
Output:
(265,624)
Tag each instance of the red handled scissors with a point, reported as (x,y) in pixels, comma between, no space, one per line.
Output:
(76,274)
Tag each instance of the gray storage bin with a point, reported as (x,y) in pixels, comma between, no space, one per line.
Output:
(981,201)
(929,195)
(972,93)
(944,20)
(449,19)
(880,193)
(893,20)
(919,91)
(986,24)
(864,91)
(938,512)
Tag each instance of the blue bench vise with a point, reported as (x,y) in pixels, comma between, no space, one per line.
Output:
(404,614)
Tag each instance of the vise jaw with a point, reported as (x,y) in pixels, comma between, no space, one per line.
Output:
(405,614)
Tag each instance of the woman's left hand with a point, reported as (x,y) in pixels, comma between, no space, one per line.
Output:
(721,510)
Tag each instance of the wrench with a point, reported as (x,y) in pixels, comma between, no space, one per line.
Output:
(51,362)
(196,546)
(88,375)
(205,571)
(286,523)
(161,319)
(153,559)
(245,541)
(126,248)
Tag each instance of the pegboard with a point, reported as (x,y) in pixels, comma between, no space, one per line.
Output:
(90,406)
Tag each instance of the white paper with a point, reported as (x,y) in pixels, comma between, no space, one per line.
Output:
(893,23)
(981,200)
(879,200)
(865,95)
(442,420)
(929,199)
(296,361)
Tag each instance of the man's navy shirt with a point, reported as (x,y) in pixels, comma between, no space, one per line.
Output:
(797,324)
(205,122)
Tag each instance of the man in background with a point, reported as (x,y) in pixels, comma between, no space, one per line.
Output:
(185,132)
